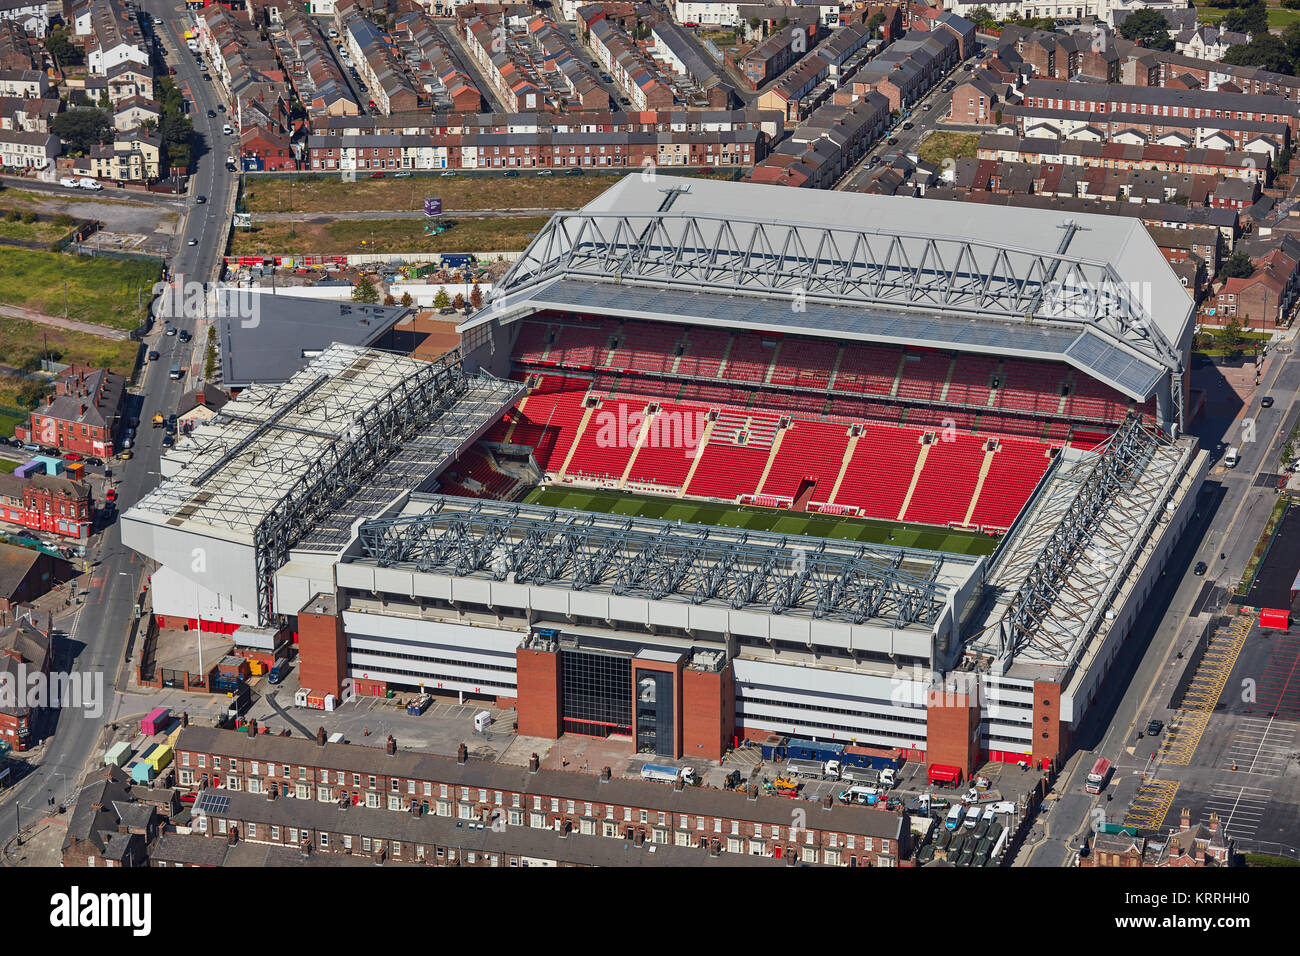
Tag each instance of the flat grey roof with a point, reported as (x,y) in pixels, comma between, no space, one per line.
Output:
(266,338)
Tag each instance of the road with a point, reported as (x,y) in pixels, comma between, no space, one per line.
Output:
(1234,513)
(924,121)
(96,635)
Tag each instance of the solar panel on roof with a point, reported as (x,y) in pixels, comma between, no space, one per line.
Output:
(210,802)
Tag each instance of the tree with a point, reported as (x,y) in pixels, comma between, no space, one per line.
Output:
(476,297)
(1282,165)
(1236,266)
(442,299)
(64,52)
(1291,4)
(82,129)
(876,19)
(406,299)
(458,303)
(1252,19)
(1266,51)
(365,291)
(1148,27)
(1291,39)
(1228,338)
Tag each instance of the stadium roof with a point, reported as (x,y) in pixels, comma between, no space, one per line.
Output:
(1094,291)
(664,560)
(297,465)
(1060,566)
(265,338)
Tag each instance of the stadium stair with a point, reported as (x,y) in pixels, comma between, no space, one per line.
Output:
(979,484)
(636,449)
(577,440)
(771,459)
(916,477)
(898,373)
(844,467)
(699,453)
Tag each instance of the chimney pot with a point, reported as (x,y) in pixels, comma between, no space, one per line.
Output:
(391,747)
(462,753)
(320,736)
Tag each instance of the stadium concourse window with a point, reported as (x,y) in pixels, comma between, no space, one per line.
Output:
(596,693)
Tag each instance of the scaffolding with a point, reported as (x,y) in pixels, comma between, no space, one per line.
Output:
(295,466)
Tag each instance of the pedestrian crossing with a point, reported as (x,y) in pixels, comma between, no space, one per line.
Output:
(1240,809)
(1262,746)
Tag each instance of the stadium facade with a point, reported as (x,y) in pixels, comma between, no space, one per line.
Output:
(840,358)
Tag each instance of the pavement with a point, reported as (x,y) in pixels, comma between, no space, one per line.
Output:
(103,331)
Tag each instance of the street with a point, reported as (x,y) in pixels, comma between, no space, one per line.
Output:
(94,638)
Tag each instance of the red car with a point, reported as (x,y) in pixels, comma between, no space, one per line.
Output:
(72,456)
(110,495)
(376,175)
(189,797)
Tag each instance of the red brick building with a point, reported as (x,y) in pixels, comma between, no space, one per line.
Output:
(47,503)
(82,415)
(1201,846)
(24,650)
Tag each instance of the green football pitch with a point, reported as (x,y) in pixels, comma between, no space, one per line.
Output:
(868,531)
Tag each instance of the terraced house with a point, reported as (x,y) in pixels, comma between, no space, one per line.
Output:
(409,785)
(390,84)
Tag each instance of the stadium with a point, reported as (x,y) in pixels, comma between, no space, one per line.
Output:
(719,461)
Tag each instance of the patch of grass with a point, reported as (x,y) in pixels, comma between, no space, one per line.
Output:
(342,236)
(1264,859)
(21,341)
(778,521)
(100,290)
(330,194)
(43,232)
(942,145)
(7,467)
(1262,546)
(1277,17)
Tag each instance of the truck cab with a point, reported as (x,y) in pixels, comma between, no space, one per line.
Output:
(1232,457)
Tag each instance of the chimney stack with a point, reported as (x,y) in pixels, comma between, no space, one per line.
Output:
(185,719)
(1214,823)
(1187,818)
(252,728)
(391,747)
(534,763)
(605,774)
(320,736)
(827,802)
(462,753)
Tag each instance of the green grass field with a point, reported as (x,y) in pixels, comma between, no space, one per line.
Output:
(775,520)
(103,291)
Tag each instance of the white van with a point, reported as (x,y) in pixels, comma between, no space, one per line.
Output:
(482,721)
(1232,457)
(972,817)
(70,182)
(954,818)
(88,183)
(989,815)
(228,129)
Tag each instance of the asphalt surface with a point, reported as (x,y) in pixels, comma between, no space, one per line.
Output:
(96,634)
(1233,512)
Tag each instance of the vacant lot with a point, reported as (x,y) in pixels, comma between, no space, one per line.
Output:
(99,290)
(383,236)
(23,342)
(940,146)
(43,232)
(765,519)
(398,195)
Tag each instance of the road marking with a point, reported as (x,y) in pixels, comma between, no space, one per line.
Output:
(1240,809)
(1151,804)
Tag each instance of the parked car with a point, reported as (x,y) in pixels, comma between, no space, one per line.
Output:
(221,107)
(544,172)
(575,171)
(1266,401)
(512,173)
(200,199)
(72,456)
(278,672)
(212,114)
(907,125)
(110,495)
(191,242)
(448,173)
(127,454)
(171,329)
(1154,727)
(184,335)
(377,175)
(404,174)
(1200,568)
(168,440)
